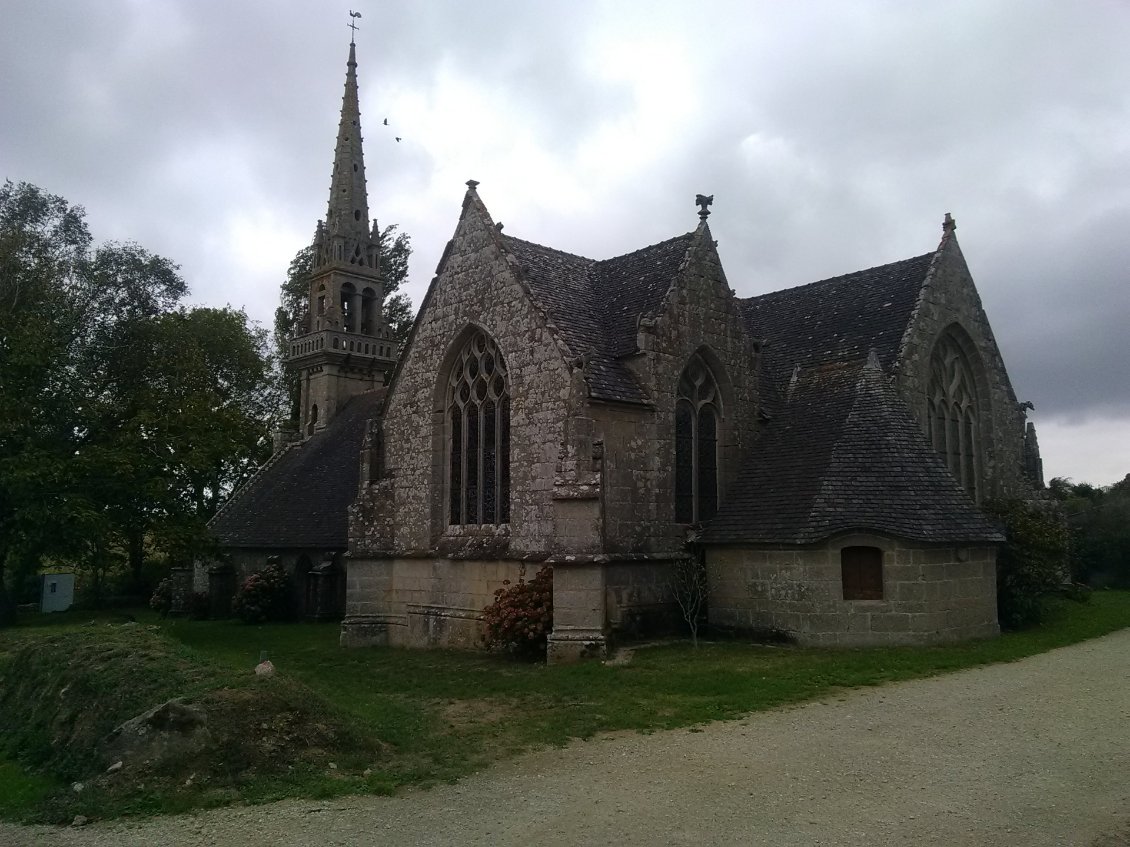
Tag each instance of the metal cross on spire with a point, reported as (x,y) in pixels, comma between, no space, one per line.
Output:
(353,25)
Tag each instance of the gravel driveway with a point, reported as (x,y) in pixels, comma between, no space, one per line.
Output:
(1031,753)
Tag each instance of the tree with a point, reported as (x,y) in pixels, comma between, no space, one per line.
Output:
(294,293)
(123,416)
(689,585)
(1032,563)
(43,244)
(1099,520)
(180,418)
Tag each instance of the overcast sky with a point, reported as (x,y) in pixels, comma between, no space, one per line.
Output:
(833,135)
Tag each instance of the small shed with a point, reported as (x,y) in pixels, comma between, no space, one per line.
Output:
(57,592)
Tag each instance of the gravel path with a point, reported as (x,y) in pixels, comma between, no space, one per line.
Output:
(1031,753)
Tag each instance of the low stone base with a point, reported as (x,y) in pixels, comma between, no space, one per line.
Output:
(432,625)
(364,631)
(577,646)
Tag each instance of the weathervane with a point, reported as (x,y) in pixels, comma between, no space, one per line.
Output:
(353,25)
(704,203)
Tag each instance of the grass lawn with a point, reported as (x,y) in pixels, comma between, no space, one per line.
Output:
(438,715)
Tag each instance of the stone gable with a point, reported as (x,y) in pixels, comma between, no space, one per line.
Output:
(948,301)
(478,286)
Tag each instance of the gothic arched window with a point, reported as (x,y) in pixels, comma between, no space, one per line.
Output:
(349,307)
(698,413)
(478,435)
(951,413)
(369,308)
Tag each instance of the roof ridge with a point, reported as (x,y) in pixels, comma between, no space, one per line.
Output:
(636,252)
(278,454)
(794,289)
(630,253)
(251,480)
(507,237)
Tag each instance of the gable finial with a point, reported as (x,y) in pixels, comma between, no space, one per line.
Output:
(353,25)
(472,184)
(704,203)
(949,224)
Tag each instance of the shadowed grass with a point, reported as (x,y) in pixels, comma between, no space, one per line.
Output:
(438,715)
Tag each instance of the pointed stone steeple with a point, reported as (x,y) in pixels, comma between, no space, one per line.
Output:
(346,346)
(347,214)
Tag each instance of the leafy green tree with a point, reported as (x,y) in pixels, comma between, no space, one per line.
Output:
(294,294)
(180,418)
(44,243)
(1099,519)
(1032,563)
(123,416)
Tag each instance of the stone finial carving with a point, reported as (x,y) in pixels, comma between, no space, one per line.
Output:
(472,184)
(949,224)
(704,203)
(1033,464)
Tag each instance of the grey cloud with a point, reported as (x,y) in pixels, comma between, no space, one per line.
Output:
(834,137)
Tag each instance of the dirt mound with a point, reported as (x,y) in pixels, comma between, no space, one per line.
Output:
(135,722)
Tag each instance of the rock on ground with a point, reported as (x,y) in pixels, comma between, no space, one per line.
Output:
(1032,753)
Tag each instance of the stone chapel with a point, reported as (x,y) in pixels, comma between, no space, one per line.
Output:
(822,449)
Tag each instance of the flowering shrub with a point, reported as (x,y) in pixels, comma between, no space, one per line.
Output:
(263,596)
(162,599)
(521,616)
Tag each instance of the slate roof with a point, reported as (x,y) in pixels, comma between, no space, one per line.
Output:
(837,319)
(846,455)
(596,305)
(301,496)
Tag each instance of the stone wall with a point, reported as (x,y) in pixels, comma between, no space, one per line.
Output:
(699,315)
(640,599)
(950,300)
(423,602)
(307,600)
(477,288)
(931,594)
(329,384)
(592,486)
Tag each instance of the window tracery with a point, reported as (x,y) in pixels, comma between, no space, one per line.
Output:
(697,416)
(951,413)
(478,422)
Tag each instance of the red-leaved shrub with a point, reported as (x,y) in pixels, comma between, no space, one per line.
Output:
(521,616)
(263,596)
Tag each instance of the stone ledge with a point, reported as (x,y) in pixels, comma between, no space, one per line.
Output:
(438,611)
(369,630)
(574,645)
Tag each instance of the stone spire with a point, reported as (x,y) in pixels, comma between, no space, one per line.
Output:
(347,215)
(346,346)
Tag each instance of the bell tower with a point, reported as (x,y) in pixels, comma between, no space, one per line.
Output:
(345,346)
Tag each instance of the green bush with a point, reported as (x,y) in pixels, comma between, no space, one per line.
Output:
(521,616)
(162,599)
(263,596)
(1033,562)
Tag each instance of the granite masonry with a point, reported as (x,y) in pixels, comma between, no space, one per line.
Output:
(821,451)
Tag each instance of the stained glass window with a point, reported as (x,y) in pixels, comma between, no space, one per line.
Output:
(951,413)
(478,415)
(698,413)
